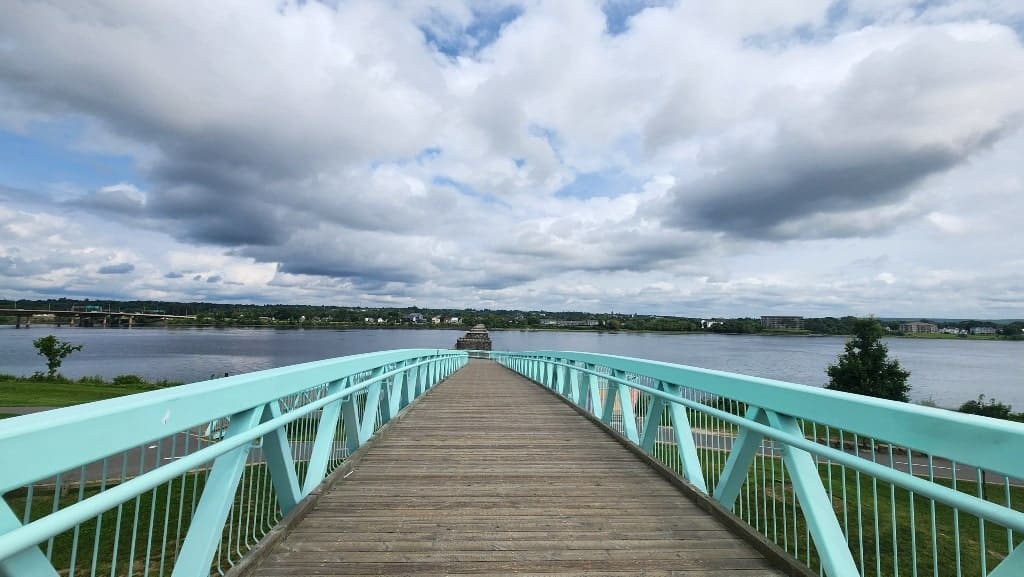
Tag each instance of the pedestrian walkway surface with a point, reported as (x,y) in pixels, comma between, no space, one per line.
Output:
(490,474)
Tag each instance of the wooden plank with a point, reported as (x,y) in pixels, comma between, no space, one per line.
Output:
(489,474)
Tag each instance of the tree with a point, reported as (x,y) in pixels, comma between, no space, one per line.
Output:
(55,351)
(865,368)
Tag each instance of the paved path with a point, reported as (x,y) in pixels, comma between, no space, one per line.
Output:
(491,475)
(23,410)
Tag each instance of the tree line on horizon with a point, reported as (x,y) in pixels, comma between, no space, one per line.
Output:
(321,315)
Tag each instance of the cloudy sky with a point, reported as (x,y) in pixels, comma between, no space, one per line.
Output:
(693,158)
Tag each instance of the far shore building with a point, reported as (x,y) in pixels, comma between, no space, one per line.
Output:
(983,330)
(918,328)
(568,323)
(784,323)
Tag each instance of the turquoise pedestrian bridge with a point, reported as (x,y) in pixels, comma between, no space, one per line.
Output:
(440,462)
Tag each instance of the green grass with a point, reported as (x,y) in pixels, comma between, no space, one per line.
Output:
(148,531)
(767,502)
(31,392)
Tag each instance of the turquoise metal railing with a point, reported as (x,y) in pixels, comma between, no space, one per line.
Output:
(849,485)
(183,481)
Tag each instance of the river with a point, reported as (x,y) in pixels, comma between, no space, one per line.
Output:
(947,371)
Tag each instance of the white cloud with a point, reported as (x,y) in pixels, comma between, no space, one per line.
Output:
(301,151)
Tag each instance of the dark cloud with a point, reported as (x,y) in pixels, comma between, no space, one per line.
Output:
(366,273)
(214,279)
(755,195)
(123,200)
(226,217)
(120,268)
(173,274)
(598,250)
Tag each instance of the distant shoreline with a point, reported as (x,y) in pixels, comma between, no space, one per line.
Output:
(463,328)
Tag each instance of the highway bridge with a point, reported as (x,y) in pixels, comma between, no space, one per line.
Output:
(23,317)
(437,462)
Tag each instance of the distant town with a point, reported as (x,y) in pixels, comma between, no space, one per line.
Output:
(280,315)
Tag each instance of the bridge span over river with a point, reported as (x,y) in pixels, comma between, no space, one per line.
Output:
(437,462)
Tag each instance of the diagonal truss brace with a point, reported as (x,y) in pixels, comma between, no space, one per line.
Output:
(218,496)
(30,561)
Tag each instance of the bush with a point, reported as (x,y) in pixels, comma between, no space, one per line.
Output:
(992,408)
(43,377)
(129,380)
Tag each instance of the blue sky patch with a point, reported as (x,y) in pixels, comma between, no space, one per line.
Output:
(46,156)
(463,188)
(618,12)
(550,136)
(453,40)
(609,183)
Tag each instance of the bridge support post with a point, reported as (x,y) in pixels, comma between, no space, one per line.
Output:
(218,495)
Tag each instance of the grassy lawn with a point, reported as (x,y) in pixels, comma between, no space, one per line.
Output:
(146,533)
(24,392)
(888,529)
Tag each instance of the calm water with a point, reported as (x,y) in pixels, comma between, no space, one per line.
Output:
(948,371)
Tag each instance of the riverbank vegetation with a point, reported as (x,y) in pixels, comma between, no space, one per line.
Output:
(42,391)
(341,317)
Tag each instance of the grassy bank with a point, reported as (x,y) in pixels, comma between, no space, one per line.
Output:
(62,392)
(890,530)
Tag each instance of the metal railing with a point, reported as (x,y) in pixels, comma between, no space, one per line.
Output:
(848,485)
(184,481)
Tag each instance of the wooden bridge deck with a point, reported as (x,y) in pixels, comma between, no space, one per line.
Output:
(491,475)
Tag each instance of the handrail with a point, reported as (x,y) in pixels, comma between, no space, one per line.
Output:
(316,409)
(926,429)
(149,416)
(611,387)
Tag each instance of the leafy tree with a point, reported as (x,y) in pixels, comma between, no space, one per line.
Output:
(992,408)
(55,351)
(1014,330)
(865,368)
